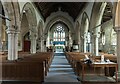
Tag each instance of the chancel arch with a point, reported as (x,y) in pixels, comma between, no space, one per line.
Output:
(63,17)
(59,16)
(58,36)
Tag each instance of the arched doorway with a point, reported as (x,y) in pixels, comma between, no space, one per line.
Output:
(27,43)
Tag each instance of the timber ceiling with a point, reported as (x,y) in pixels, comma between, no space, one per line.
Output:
(73,8)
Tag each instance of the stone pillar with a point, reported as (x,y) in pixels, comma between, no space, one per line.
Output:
(92,43)
(12,45)
(96,52)
(42,45)
(33,44)
(1,34)
(90,48)
(69,42)
(41,48)
(85,39)
(1,45)
(117,29)
(1,40)
(16,45)
(81,44)
(39,44)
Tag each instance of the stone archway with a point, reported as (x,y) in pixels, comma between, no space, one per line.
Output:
(40,37)
(96,18)
(12,22)
(24,36)
(29,11)
(59,16)
(63,17)
(58,34)
(83,32)
(98,21)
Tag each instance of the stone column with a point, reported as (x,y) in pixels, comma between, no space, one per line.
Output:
(33,44)
(85,39)
(12,45)
(1,40)
(90,48)
(96,52)
(117,29)
(69,42)
(16,45)
(92,43)
(42,44)
(42,50)
(1,34)
(39,44)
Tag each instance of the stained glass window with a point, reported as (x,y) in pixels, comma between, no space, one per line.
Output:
(59,33)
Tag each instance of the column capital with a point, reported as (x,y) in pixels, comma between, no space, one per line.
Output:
(33,37)
(117,28)
(10,31)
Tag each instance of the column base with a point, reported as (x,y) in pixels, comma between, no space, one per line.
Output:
(33,52)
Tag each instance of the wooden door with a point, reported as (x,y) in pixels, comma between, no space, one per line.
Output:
(26,46)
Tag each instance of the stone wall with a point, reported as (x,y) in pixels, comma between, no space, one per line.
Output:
(107,28)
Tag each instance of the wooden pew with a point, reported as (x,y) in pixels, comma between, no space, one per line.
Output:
(74,59)
(77,59)
(32,68)
(111,57)
(43,56)
(23,71)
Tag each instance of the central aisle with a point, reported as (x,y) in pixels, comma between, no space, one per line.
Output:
(61,71)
